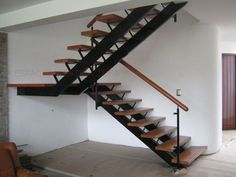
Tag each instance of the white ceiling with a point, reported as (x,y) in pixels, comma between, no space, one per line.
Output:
(218,12)
(11,5)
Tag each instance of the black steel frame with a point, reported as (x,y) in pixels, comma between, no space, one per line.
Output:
(136,131)
(98,51)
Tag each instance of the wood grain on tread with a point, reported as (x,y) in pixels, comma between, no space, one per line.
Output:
(114,92)
(159,132)
(94,33)
(100,34)
(61,73)
(72,61)
(36,85)
(152,13)
(146,121)
(189,155)
(110,18)
(120,102)
(133,111)
(170,145)
(86,48)
(80,47)
(108,83)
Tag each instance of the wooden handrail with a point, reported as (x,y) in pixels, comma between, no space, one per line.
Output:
(155,86)
(90,24)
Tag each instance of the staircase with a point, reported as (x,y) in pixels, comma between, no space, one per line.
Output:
(106,50)
(158,138)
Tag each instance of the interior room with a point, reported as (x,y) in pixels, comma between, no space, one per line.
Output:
(117,88)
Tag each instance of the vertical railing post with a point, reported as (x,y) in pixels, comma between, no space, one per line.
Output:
(178,93)
(178,132)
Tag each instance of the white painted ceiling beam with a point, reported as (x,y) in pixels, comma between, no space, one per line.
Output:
(59,10)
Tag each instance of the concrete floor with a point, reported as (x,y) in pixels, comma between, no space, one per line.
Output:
(92,159)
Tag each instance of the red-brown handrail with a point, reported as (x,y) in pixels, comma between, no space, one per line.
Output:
(90,24)
(154,85)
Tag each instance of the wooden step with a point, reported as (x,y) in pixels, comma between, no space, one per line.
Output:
(146,121)
(189,155)
(72,61)
(133,111)
(94,33)
(120,102)
(170,145)
(86,48)
(159,132)
(152,13)
(108,84)
(36,85)
(100,34)
(61,73)
(110,18)
(114,19)
(114,92)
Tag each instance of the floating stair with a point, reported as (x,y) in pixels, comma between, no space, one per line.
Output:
(60,73)
(114,92)
(151,14)
(72,61)
(188,156)
(119,102)
(160,131)
(86,48)
(170,145)
(133,111)
(100,34)
(113,19)
(146,121)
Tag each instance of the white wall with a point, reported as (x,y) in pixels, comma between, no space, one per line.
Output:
(45,123)
(228,46)
(183,55)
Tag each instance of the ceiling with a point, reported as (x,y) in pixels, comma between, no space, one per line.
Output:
(11,5)
(216,12)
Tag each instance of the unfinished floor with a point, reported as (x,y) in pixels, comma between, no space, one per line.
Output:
(92,159)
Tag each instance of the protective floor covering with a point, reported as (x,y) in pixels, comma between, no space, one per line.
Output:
(92,159)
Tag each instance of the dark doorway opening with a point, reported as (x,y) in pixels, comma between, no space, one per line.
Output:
(229,91)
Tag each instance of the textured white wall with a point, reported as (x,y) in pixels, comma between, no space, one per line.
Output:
(183,55)
(228,46)
(45,123)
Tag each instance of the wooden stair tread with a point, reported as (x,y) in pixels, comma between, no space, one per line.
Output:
(133,111)
(110,18)
(189,155)
(86,48)
(159,132)
(151,13)
(114,19)
(61,73)
(100,34)
(57,73)
(94,33)
(114,92)
(146,121)
(36,85)
(170,145)
(53,84)
(72,61)
(119,102)
(80,47)
(108,83)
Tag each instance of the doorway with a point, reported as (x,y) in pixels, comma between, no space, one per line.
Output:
(229,91)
